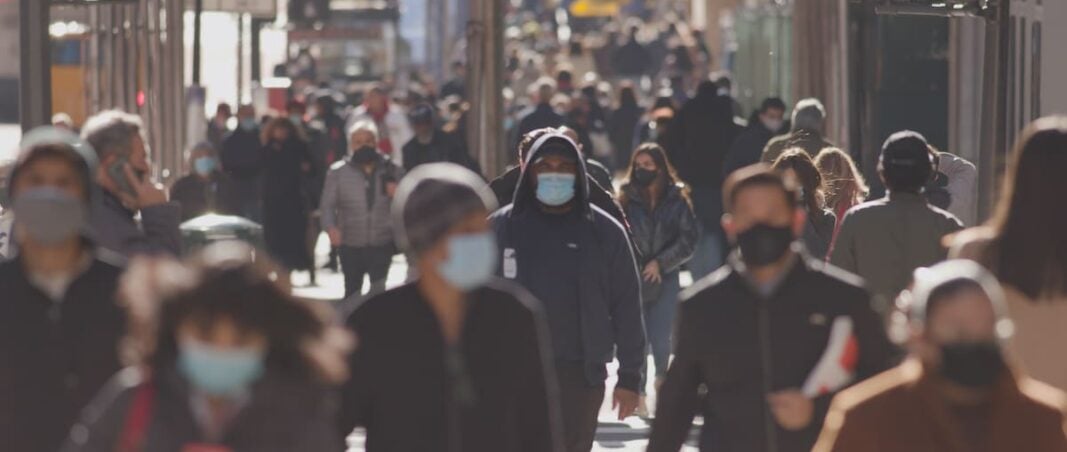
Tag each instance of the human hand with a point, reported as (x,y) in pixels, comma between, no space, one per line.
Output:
(651,272)
(792,409)
(625,401)
(335,235)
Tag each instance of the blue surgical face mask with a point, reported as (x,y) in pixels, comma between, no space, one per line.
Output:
(204,166)
(49,215)
(219,371)
(555,189)
(297,119)
(472,258)
(249,124)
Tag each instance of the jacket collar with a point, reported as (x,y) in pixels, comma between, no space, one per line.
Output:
(905,197)
(799,264)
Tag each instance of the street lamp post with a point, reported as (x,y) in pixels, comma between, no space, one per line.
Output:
(35,78)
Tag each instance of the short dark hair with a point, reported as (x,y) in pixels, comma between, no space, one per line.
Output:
(758,175)
(906,163)
(769,103)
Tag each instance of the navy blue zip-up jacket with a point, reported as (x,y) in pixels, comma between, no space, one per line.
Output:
(608,287)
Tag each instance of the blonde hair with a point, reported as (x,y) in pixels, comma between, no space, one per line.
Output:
(841,179)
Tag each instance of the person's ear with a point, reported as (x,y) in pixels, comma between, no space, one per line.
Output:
(800,219)
(729,227)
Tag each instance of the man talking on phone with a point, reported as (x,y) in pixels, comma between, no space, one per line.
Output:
(127,189)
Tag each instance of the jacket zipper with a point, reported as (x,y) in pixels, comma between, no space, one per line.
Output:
(764,331)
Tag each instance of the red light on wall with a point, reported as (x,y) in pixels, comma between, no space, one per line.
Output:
(140,98)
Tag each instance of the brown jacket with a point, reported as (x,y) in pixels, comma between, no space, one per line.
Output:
(901,411)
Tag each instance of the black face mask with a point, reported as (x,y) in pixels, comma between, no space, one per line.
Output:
(972,364)
(364,155)
(764,244)
(644,177)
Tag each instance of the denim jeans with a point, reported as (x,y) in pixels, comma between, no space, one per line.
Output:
(708,255)
(659,324)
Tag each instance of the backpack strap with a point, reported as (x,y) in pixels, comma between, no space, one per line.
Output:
(138,418)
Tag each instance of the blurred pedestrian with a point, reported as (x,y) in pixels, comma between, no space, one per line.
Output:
(7,217)
(701,135)
(632,60)
(218,126)
(242,159)
(287,169)
(457,85)
(473,372)
(206,189)
(356,210)
(885,240)
(325,118)
(821,223)
(128,190)
(654,126)
(958,391)
(221,358)
(542,115)
(597,171)
(766,335)
(844,184)
(59,323)
(63,121)
(1025,247)
(577,260)
(393,127)
(809,124)
(666,232)
(959,180)
(747,149)
(431,144)
(623,121)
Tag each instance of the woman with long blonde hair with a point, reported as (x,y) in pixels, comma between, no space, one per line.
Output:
(844,185)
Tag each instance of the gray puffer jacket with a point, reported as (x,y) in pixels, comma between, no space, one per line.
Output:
(116,228)
(357,202)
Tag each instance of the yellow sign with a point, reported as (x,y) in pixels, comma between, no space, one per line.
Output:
(595,8)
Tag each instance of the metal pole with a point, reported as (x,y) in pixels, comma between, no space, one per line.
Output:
(198,9)
(485,50)
(256,70)
(994,107)
(35,82)
(240,58)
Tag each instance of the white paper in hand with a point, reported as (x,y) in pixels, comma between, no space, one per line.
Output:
(837,366)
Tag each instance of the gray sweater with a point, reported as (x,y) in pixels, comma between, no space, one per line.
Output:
(358,204)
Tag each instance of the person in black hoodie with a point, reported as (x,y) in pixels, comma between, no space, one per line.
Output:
(701,135)
(541,115)
(242,159)
(287,170)
(764,125)
(577,260)
(770,337)
(477,376)
(59,323)
(430,144)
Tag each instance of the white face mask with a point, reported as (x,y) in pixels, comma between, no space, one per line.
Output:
(773,125)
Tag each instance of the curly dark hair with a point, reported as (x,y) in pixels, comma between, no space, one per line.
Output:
(224,282)
(809,177)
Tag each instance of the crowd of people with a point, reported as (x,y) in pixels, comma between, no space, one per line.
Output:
(822,315)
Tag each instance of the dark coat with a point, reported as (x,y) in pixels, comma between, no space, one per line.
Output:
(621,126)
(610,315)
(721,342)
(540,117)
(54,356)
(441,148)
(282,415)
(632,60)
(199,196)
(493,391)
(668,234)
(701,135)
(902,410)
(286,207)
(747,148)
(819,232)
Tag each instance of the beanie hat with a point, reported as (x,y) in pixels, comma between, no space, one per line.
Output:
(431,199)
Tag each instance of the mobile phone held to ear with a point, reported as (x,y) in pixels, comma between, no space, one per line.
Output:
(117,172)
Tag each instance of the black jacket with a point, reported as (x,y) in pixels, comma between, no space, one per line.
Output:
(725,333)
(610,314)
(54,356)
(540,117)
(494,391)
(198,196)
(701,135)
(747,148)
(283,414)
(441,148)
(667,234)
(242,154)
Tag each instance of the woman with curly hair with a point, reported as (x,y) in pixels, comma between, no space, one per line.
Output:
(844,184)
(221,358)
(819,231)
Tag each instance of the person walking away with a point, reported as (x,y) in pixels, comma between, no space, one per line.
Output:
(393,127)
(577,260)
(206,189)
(623,121)
(483,379)
(59,324)
(128,190)
(655,125)
(242,159)
(218,126)
(431,145)
(766,334)
(287,168)
(884,241)
(701,135)
(808,129)
(220,357)
(1024,246)
(747,149)
(542,115)
(958,391)
(821,222)
(597,171)
(632,60)
(666,232)
(355,210)
(335,141)
(844,184)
